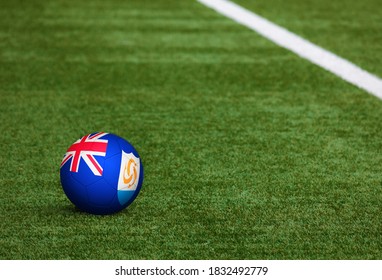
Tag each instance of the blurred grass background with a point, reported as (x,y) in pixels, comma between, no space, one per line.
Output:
(249,151)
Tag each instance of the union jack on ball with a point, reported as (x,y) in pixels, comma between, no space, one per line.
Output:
(101,173)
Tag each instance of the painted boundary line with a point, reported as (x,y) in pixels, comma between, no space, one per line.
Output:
(303,48)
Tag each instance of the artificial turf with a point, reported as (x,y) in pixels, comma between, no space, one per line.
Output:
(249,151)
(350,29)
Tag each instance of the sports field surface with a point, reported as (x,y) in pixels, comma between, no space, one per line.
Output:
(250,152)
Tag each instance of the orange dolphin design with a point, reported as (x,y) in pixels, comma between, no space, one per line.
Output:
(130,173)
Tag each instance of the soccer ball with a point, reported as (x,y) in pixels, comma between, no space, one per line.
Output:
(101,173)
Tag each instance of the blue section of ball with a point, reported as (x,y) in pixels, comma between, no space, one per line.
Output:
(124,196)
(101,173)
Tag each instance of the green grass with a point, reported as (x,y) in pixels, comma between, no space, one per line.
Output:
(351,29)
(249,151)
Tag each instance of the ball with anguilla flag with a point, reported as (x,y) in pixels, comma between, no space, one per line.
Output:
(101,173)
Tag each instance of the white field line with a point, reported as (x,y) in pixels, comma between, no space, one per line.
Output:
(305,49)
